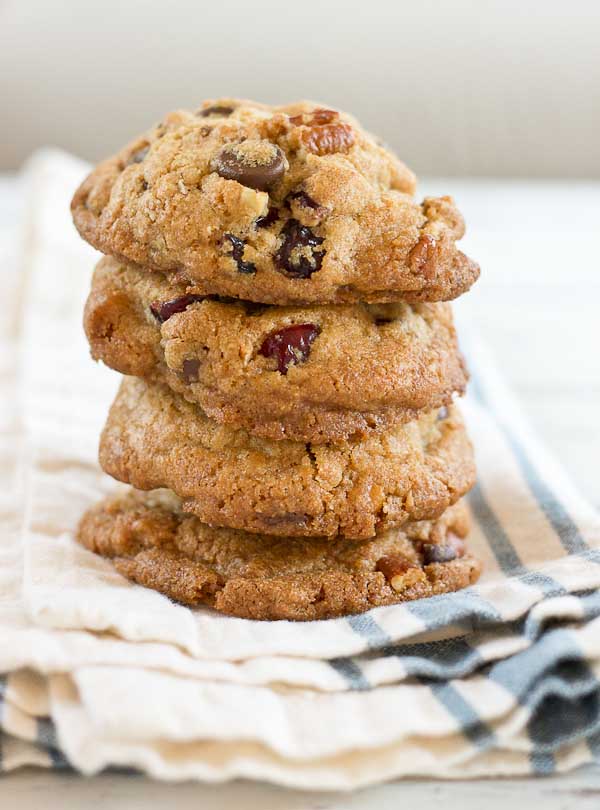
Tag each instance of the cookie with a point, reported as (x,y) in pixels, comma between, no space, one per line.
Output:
(279,205)
(317,374)
(153,542)
(154,439)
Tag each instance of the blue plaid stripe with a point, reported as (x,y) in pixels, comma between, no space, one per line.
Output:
(556,513)
(350,670)
(468,721)
(550,678)
(45,737)
(572,541)
(454,658)
(504,551)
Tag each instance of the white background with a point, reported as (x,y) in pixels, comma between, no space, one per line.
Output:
(460,87)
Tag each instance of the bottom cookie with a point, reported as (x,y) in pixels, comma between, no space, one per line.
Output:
(154,543)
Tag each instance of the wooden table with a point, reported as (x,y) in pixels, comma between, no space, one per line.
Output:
(538,307)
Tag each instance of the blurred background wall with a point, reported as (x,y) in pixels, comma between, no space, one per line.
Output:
(475,87)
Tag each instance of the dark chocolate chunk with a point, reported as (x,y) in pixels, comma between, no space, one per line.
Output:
(292,254)
(190,370)
(138,156)
(443,552)
(237,254)
(302,198)
(269,218)
(256,164)
(217,109)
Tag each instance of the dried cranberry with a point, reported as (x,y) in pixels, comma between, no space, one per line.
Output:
(292,255)
(237,254)
(162,310)
(290,345)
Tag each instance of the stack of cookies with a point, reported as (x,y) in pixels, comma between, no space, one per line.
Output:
(273,293)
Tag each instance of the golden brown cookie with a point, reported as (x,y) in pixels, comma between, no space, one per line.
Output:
(281,205)
(154,438)
(313,373)
(153,542)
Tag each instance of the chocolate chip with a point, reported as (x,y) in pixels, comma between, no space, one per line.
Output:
(253,308)
(286,518)
(216,109)
(162,310)
(437,553)
(190,369)
(270,217)
(237,254)
(223,299)
(290,345)
(249,307)
(443,552)
(296,254)
(137,157)
(256,164)
(302,198)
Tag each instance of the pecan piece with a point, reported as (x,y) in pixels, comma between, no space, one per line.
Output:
(422,257)
(400,572)
(326,139)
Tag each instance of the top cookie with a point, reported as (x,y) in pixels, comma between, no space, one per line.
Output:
(280,205)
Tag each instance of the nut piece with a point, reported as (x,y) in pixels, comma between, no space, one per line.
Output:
(399,572)
(322,133)
(422,258)
(328,138)
(315,117)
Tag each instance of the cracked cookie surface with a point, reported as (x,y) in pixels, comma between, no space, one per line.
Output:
(282,205)
(154,542)
(154,438)
(318,374)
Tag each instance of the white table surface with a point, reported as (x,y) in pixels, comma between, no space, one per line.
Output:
(538,307)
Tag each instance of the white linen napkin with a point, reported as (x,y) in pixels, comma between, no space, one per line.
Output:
(450,686)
